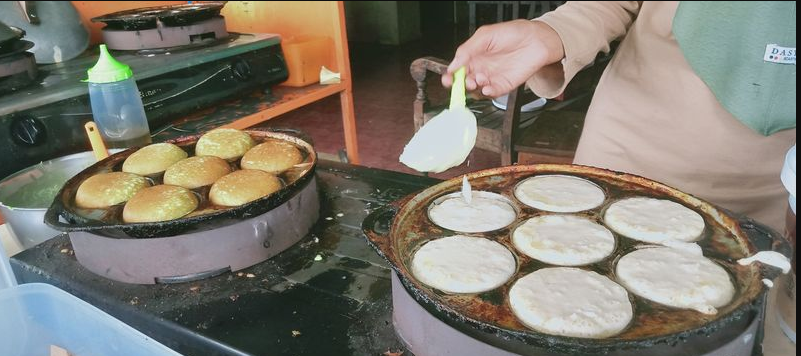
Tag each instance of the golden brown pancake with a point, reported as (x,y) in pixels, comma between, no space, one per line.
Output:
(243,186)
(197,171)
(224,143)
(272,156)
(153,159)
(159,203)
(107,189)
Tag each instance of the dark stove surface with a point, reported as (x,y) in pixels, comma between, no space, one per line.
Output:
(9,35)
(64,80)
(294,304)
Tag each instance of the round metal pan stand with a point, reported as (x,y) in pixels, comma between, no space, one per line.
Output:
(166,36)
(203,254)
(426,335)
(17,71)
(17,66)
(171,15)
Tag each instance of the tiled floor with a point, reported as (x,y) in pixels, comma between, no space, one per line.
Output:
(383,93)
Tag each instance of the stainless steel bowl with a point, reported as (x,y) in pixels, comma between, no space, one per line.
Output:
(26,195)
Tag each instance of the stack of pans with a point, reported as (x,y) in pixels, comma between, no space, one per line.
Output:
(17,65)
(163,27)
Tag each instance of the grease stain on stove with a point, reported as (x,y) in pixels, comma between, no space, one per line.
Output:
(263,322)
(353,263)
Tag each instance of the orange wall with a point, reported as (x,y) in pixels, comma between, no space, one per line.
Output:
(287,18)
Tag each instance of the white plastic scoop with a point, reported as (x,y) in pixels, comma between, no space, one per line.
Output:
(445,140)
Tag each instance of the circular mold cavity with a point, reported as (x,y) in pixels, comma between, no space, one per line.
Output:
(559,193)
(571,302)
(563,240)
(486,212)
(654,220)
(463,264)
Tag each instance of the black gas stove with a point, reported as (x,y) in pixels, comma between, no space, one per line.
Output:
(329,294)
(45,120)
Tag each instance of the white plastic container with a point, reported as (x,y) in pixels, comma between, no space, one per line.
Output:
(35,316)
(786,297)
(789,176)
(7,279)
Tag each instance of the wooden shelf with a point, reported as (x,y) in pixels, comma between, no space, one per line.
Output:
(247,110)
(301,18)
(289,99)
(288,19)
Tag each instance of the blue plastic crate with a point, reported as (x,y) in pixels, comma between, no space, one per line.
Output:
(35,316)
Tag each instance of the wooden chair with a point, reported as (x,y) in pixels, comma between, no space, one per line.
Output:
(535,9)
(500,7)
(548,135)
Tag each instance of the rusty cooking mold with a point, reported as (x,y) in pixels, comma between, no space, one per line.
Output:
(398,229)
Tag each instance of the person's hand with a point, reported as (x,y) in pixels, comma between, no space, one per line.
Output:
(500,57)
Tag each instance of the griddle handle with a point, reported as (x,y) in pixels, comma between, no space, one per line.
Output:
(53,214)
(376,228)
(52,219)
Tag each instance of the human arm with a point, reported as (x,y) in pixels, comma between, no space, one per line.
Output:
(546,52)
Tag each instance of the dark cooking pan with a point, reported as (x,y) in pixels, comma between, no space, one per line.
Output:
(397,230)
(11,42)
(65,216)
(9,34)
(170,15)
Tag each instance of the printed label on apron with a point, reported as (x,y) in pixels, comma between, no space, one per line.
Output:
(777,54)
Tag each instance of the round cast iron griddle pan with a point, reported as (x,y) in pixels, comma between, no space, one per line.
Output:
(171,15)
(488,317)
(108,222)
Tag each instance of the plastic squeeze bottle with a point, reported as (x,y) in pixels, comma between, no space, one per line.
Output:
(116,105)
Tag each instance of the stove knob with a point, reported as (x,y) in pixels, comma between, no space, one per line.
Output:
(28,131)
(241,69)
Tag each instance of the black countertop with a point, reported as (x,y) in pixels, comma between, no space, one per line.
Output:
(293,304)
(327,295)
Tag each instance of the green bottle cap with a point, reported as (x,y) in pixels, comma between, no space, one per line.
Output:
(107,69)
